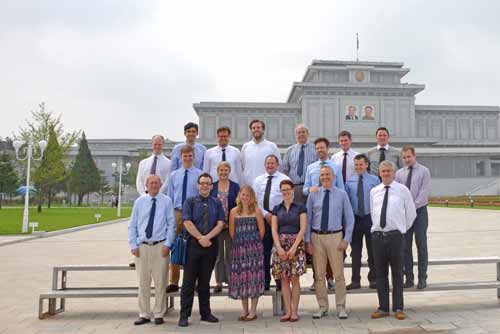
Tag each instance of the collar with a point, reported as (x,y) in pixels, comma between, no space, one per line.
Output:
(262,141)
(203,199)
(151,197)
(154,155)
(386,147)
(331,189)
(188,169)
(348,151)
(223,148)
(274,174)
(414,166)
(390,185)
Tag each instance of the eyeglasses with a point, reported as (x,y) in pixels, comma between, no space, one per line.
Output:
(205,183)
(286,189)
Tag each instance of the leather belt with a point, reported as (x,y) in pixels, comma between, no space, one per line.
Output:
(152,243)
(386,233)
(325,232)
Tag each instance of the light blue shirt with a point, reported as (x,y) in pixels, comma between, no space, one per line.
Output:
(199,154)
(369,182)
(163,224)
(340,213)
(174,188)
(312,175)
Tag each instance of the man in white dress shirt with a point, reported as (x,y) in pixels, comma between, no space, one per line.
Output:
(393,213)
(345,157)
(254,152)
(223,152)
(267,191)
(156,164)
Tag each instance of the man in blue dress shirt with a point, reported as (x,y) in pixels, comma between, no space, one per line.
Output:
(150,236)
(358,188)
(203,218)
(191,133)
(182,184)
(329,216)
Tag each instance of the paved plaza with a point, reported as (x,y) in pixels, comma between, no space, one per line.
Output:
(26,272)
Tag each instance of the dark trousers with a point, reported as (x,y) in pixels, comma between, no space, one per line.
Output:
(268,246)
(388,251)
(362,227)
(200,263)
(419,229)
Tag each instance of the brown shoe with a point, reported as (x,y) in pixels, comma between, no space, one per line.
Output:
(379,314)
(400,315)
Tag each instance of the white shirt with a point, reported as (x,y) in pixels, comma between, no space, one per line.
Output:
(339,159)
(213,157)
(259,186)
(400,208)
(253,156)
(162,170)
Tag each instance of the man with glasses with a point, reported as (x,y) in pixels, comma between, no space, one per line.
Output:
(203,218)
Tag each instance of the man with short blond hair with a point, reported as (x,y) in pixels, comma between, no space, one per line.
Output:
(156,164)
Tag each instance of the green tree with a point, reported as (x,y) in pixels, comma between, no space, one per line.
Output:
(104,187)
(85,177)
(9,180)
(50,174)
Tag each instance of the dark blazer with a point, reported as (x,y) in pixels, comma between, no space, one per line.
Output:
(234,189)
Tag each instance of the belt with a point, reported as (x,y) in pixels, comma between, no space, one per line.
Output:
(362,217)
(152,243)
(326,232)
(386,233)
(298,184)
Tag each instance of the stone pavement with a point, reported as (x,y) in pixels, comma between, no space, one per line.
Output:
(26,272)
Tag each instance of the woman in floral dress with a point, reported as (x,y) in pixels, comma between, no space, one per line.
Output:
(246,228)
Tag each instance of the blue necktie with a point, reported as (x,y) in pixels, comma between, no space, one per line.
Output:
(325,211)
(300,167)
(149,228)
(361,197)
(184,187)
(223,154)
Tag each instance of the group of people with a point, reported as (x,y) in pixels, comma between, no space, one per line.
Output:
(253,215)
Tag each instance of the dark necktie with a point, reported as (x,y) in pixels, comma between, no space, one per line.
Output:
(408,180)
(184,186)
(153,166)
(361,197)
(382,154)
(344,167)
(149,228)
(325,211)
(302,157)
(223,154)
(383,213)
(267,193)
(321,164)
(205,216)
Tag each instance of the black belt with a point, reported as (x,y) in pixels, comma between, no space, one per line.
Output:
(298,184)
(386,233)
(325,232)
(152,243)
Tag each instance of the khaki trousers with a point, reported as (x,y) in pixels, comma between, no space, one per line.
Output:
(325,252)
(151,264)
(175,270)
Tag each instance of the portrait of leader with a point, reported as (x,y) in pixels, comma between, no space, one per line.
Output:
(351,112)
(368,113)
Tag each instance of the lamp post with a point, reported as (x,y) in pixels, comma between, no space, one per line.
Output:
(27,151)
(120,172)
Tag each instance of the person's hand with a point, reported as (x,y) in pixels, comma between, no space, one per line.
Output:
(165,251)
(205,242)
(313,189)
(268,218)
(342,246)
(309,248)
(135,252)
(282,254)
(291,252)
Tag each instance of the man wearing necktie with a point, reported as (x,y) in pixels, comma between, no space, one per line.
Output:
(156,164)
(267,191)
(223,152)
(182,185)
(393,213)
(358,188)
(345,157)
(417,179)
(151,233)
(383,152)
(329,214)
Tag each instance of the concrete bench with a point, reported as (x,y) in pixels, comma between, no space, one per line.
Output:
(471,285)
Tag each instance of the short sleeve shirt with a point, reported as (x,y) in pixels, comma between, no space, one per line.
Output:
(204,212)
(289,221)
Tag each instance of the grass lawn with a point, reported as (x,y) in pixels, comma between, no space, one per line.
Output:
(55,218)
(486,207)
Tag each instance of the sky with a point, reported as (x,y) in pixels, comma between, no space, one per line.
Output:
(130,69)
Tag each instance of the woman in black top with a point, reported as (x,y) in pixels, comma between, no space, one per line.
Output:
(289,257)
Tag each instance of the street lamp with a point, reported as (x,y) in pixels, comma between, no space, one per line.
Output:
(27,152)
(120,172)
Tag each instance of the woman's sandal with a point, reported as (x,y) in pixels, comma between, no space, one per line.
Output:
(251,319)
(242,317)
(285,318)
(294,319)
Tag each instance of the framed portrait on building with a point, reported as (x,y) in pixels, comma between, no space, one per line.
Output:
(368,112)
(351,112)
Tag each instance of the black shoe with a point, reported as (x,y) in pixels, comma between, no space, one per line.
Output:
(210,318)
(131,265)
(141,321)
(159,321)
(172,288)
(409,284)
(422,284)
(218,289)
(353,286)
(373,284)
(183,322)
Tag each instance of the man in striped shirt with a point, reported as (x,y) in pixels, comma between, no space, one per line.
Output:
(297,158)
